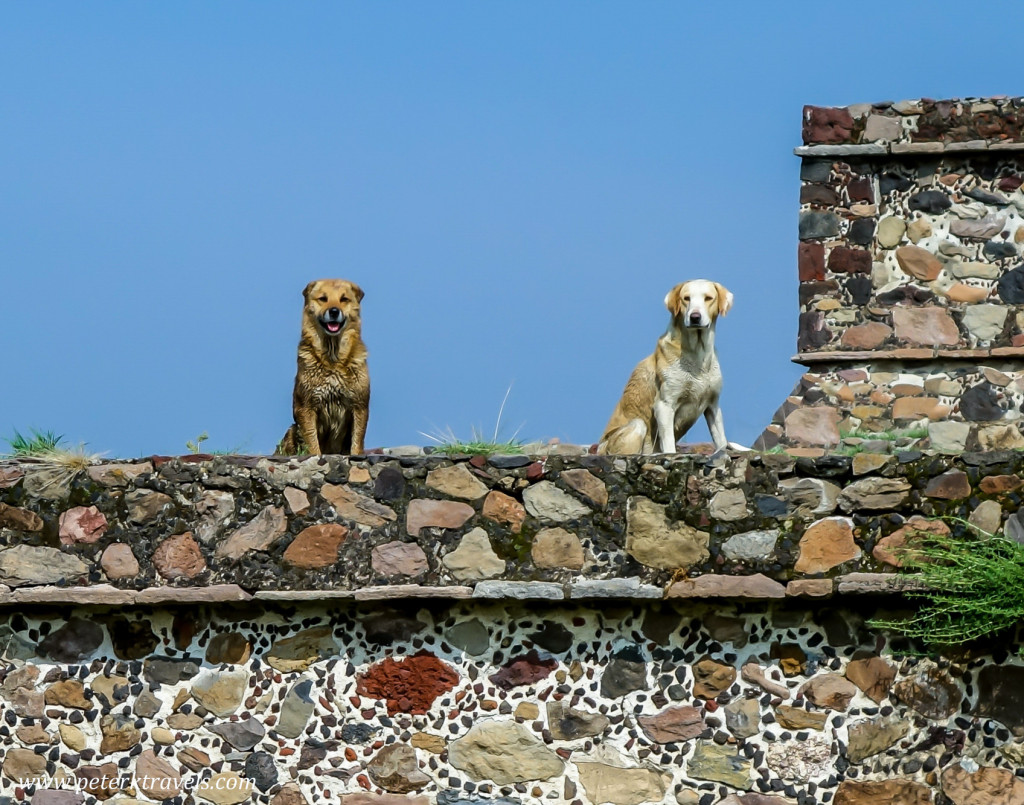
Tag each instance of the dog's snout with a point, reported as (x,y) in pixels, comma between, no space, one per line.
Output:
(695,317)
(333,313)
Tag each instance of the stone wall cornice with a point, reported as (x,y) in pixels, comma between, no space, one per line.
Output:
(749,526)
(913,126)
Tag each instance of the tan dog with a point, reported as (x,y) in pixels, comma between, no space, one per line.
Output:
(331,401)
(680,381)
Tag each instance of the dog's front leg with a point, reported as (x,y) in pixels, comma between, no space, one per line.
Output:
(305,418)
(713,415)
(359,418)
(664,415)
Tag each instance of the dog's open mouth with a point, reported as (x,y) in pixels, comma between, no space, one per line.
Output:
(332,326)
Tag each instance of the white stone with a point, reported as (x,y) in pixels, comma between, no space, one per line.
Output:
(985,322)
(546,501)
(474,558)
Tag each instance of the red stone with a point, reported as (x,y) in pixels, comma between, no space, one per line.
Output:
(861,190)
(828,125)
(951,485)
(179,557)
(85,524)
(866,336)
(845,260)
(997,484)
(316,546)
(523,670)
(811,262)
(409,685)
(535,471)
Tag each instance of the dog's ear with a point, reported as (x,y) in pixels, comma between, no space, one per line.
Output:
(674,300)
(308,290)
(724,299)
(358,292)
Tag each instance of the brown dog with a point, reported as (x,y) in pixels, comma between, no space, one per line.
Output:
(670,389)
(331,401)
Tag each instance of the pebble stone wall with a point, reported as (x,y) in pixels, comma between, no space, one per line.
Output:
(911,281)
(561,628)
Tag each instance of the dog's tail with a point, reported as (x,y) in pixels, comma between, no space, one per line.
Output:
(291,443)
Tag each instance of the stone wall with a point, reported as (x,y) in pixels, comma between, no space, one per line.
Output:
(554,528)
(383,629)
(911,280)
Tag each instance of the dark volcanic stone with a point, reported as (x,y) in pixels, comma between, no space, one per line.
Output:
(980,403)
(357,733)
(859,288)
(390,484)
(1011,286)
(930,201)
(73,641)
(1001,695)
(813,333)
(389,627)
(986,197)
(999,250)
(889,181)
(815,170)
(658,625)
(905,293)
(931,691)
(817,225)
(168,670)
(452,796)
(524,670)
(771,506)
(260,768)
(132,640)
(309,756)
(818,194)
(809,290)
(552,637)
(508,462)
(626,673)
(811,262)
(242,735)
(843,260)
(862,231)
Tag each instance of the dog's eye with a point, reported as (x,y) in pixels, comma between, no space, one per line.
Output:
(708,298)
(343,299)
(322,299)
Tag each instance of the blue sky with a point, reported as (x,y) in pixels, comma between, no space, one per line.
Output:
(514,185)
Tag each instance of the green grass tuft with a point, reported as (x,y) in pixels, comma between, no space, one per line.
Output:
(37,444)
(973,587)
(477,446)
(916,432)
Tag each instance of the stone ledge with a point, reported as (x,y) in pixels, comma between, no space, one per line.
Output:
(520,590)
(908,354)
(905,149)
(755,586)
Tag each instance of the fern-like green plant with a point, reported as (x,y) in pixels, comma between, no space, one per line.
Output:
(970,586)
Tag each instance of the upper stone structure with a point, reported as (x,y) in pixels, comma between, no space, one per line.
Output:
(910,230)
(911,279)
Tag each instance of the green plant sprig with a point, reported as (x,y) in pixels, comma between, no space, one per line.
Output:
(971,587)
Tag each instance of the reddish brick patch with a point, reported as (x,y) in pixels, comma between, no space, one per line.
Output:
(409,685)
(523,670)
